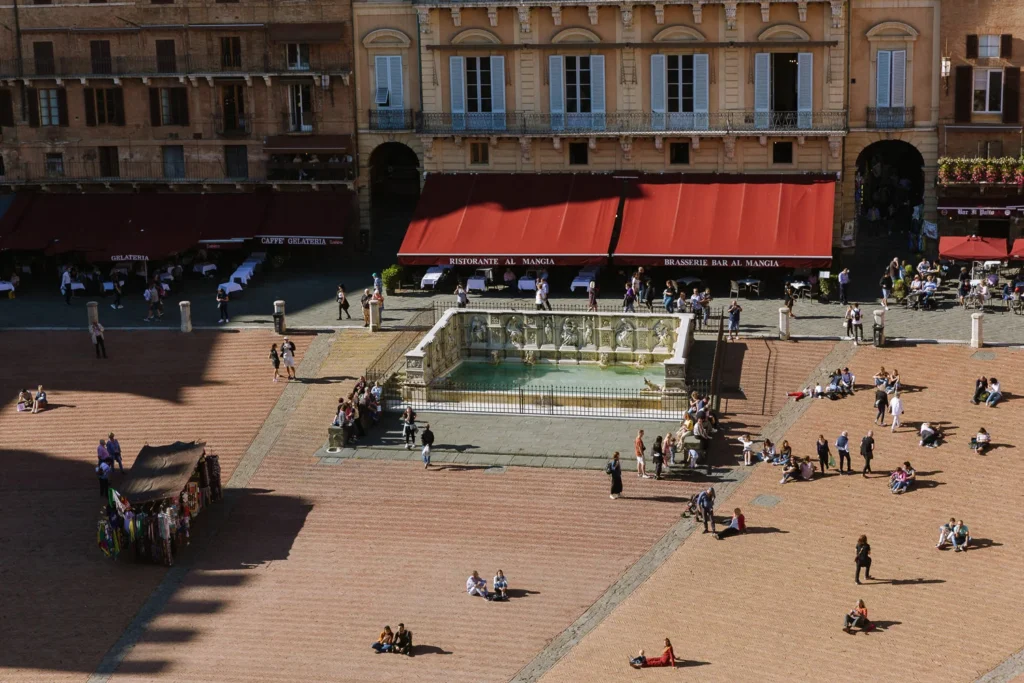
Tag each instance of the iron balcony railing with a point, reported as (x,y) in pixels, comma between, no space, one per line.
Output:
(176,65)
(237,126)
(172,171)
(392,119)
(890,117)
(298,121)
(628,123)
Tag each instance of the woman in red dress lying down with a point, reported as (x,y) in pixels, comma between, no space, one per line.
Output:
(667,658)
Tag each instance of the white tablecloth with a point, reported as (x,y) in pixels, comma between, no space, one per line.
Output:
(120,268)
(231,287)
(204,268)
(476,284)
(6,286)
(109,286)
(243,273)
(166,277)
(257,257)
(688,280)
(75,286)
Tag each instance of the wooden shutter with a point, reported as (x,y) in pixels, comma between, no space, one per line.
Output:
(62,106)
(762,90)
(972,47)
(154,107)
(457,84)
(899,78)
(33,107)
(498,91)
(658,92)
(1006,46)
(395,82)
(380,76)
(883,81)
(556,106)
(963,94)
(597,91)
(805,90)
(90,106)
(179,106)
(1011,94)
(118,106)
(700,91)
(6,108)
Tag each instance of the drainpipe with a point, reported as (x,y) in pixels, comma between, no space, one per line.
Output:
(419,58)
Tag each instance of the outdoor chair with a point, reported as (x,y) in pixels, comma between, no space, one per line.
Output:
(734,289)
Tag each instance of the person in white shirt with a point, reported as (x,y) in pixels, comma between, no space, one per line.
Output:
(500,586)
(538,299)
(461,298)
(475,585)
(896,408)
(748,450)
(65,285)
(994,395)
(545,291)
(844,283)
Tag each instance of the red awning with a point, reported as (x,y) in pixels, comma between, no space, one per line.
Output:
(1018,250)
(672,221)
(522,219)
(308,218)
(973,248)
(11,236)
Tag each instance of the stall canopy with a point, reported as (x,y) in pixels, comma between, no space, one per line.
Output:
(746,221)
(308,218)
(161,472)
(522,219)
(973,248)
(1017,252)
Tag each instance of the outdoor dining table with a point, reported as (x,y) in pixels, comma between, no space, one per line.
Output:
(750,284)
(6,286)
(230,287)
(204,268)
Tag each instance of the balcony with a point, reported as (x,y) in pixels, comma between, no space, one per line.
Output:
(392,119)
(333,170)
(232,127)
(298,122)
(179,65)
(888,118)
(519,123)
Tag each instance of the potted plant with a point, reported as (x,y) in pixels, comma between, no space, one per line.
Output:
(392,277)
(945,170)
(827,288)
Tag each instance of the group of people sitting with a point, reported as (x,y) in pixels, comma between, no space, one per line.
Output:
(667,658)
(930,435)
(840,383)
(921,293)
(987,390)
(887,381)
(955,533)
(358,411)
(29,402)
(477,585)
(902,478)
(700,422)
(398,642)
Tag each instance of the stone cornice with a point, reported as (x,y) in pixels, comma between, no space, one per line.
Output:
(696,4)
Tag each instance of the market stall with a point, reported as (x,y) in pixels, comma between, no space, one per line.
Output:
(165,490)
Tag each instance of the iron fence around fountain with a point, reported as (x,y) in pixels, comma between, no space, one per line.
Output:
(710,327)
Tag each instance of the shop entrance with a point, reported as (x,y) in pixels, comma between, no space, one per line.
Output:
(889,184)
(394,191)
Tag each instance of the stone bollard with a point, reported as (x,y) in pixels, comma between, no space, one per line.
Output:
(279,321)
(374,316)
(879,317)
(784,323)
(93,310)
(977,336)
(186,315)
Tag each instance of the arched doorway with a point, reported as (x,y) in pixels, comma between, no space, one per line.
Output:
(394,175)
(888,185)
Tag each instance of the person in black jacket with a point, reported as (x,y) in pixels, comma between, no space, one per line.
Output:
(863,559)
(428,442)
(881,403)
(886,284)
(823,453)
(867,451)
(402,644)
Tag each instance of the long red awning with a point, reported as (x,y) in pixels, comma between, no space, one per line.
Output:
(503,219)
(973,248)
(1017,252)
(671,221)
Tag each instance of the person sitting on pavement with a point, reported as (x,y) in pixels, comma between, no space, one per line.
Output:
(748,450)
(847,380)
(858,617)
(896,478)
(946,533)
(476,585)
(39,401)
(881,377)
(767,453)
(402,641)
(24,400)
(806,469)
(790,472)
(667,658)
(929,436)
(982,441)
(784,454)
(994,394)
(737,525)
(961,537)
(500,586)
(892,384)
(385,642)
(909,477)
(928,291)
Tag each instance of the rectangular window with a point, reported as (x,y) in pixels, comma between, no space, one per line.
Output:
(578,152)
(6,108)
(233,98)
(173,107)
(300,101)
(479,153)
(45,63)
(298,56)
(230,51)
(236,161)
(166,59)
(478,84)
(679,153)
(680,83)
(577,86)
(174,161)
(988,91)
(109,167)
(988,46)
(782,152)
(104,107)
(990,149)
(55,165)
(784,81)
(49,108)
(99,53)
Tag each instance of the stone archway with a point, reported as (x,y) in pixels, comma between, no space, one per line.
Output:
(888,185)
(394,175)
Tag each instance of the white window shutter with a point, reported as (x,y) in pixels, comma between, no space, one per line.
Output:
(597,91)
(805,90)
(380,75)
(762,90)
(457,83)
(395,82)
(658,92)
(556,77)
(700,92)
(498,91)
(899,78)
(883,84)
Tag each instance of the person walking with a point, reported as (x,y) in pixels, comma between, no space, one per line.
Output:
(343,303)
(628,299)
(103,471)
(790,299)
(409,428)
(614,469)
(863,559)
(65,285)
(365,302)
(592,296)
(117,292)
(461,298)
(427,439)
(844,284)
(96,332)
(378,283)
(823,453)
(545,292)
(640,450)
(658,456)
(843,446)
(649,296)
(881,404)
(858,323)
(288,356)
(114,449)
(222,306)
(896,408)
(734,320)
(706,508)
(867,451)
(886,284)
(275,360)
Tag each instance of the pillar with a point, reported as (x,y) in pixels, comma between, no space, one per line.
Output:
(783,323)
(93,310)
(374,316)
(879,317)
(279,320)
(186,315)
(977,337)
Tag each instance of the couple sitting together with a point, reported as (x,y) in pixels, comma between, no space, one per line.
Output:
(399,642)
(956,533)
(477,585)
(902,478)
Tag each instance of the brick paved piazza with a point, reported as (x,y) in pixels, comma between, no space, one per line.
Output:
(294,575)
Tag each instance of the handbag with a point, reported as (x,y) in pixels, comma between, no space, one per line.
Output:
(831,460)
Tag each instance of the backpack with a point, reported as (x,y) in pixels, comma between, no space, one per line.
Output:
(609,468)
